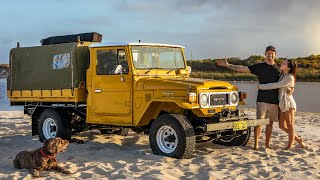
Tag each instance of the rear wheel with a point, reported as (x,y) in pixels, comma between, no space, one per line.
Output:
(172,135)
(239,140)
(51,125)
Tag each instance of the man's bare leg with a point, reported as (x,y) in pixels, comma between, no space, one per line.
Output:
(268,134)
(257,133)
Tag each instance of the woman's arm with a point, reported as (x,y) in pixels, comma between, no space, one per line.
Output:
(285,82)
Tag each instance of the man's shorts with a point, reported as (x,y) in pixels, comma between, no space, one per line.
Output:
(267,110)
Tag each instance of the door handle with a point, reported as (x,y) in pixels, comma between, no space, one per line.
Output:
(97,91)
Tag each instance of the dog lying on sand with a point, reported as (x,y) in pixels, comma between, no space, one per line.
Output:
(43,158)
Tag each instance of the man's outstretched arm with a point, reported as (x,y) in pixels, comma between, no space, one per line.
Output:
(238,68)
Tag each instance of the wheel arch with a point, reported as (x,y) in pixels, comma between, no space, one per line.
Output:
(156,109)
(35,115)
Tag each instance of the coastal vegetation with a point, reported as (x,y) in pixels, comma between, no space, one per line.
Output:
(4,66)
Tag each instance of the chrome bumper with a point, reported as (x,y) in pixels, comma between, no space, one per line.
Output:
(229,125)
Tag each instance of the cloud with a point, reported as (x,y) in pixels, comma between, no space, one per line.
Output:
(242,26)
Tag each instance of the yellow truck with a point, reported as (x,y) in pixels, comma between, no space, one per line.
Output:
(72,87)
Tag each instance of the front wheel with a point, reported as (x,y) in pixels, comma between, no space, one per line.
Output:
(237,140)
(172,135)
(51,125)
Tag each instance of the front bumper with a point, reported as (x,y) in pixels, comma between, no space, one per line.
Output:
(230,125)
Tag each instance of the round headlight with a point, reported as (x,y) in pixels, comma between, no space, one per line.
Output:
(234,98)
(204,100)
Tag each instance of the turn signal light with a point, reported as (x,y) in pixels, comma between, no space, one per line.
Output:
(191,97)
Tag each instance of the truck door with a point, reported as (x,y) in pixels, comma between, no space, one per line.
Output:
(111,89)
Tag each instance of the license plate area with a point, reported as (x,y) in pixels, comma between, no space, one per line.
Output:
(240,125)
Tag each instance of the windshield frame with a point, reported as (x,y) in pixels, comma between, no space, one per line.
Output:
(152,68)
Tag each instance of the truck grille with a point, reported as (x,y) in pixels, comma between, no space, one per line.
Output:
(219,99)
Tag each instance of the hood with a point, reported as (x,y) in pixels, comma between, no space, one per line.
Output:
(181,83)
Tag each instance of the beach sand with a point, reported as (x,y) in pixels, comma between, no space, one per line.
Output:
(117,157)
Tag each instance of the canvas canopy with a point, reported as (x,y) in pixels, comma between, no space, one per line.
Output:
(52,67)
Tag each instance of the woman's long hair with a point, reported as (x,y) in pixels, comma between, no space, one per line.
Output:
(293,68)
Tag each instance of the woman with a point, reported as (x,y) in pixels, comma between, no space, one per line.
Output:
(286,102)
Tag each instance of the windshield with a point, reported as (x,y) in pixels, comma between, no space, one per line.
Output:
(157,57)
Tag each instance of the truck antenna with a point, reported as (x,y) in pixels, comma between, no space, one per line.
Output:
(191,54)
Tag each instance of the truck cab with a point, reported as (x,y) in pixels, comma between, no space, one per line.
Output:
(125,78)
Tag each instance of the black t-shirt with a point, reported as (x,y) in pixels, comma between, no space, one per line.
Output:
(266,74)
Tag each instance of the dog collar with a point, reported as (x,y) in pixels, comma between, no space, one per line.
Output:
(45,155)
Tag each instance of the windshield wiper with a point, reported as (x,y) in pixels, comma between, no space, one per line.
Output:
(172,70)
(151,69)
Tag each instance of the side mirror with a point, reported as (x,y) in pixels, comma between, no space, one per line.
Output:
(118,69)
(189,69)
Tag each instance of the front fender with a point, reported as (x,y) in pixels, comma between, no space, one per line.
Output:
(168,104)
(181,102)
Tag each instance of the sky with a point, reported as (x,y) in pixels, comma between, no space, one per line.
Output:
(208,28)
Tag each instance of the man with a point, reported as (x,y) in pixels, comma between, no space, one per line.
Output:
(267,100)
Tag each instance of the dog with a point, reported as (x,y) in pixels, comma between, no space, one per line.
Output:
(43,158)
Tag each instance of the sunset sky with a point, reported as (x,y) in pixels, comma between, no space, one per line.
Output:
(210,28)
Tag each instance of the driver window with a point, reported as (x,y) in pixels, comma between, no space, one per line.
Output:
(123,61)
(108,60)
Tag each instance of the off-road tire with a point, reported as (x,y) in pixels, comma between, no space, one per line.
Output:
(185,135)
(62,125)
(237,141)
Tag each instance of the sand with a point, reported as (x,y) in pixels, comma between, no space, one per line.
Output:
(117,157)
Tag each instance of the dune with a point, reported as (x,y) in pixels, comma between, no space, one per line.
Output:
(117,157)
